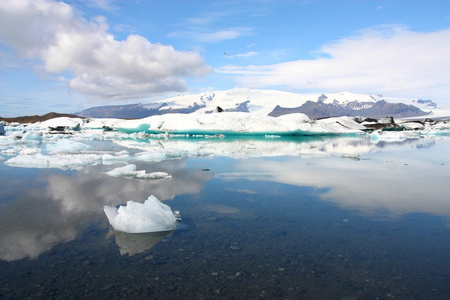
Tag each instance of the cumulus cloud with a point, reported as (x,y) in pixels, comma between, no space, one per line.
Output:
(102,67)
(391,60)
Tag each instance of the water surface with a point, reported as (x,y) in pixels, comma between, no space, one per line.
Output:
(284,225)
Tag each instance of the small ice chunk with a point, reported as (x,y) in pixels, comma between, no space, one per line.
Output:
(31,136)
(2,129)
(150,216)
(150,156)
(177,215)
(121,156)
(11,151)
(66,146)
(153,175)
(130,171)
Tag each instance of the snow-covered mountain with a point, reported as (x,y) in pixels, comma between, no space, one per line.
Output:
(272,103)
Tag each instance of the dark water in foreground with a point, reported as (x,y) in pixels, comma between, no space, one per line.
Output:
(256,228)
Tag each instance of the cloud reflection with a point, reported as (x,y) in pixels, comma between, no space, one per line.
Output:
(409,177)
(36,221)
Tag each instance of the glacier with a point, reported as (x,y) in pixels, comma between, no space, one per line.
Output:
(134,217)
(237,123)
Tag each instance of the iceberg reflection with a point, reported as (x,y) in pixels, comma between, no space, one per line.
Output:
(135,243)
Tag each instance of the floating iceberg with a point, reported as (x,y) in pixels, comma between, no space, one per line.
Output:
(236,123)
(62,123)
(150,216)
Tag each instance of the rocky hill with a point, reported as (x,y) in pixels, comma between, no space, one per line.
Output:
(36,118)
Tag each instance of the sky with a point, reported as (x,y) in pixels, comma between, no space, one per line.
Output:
(66,56)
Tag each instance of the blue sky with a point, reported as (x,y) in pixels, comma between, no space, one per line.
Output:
(67,56)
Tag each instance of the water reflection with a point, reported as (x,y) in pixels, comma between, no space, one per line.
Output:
(409,177)
(66,204)
(309,146)
(134,243)
(91,189)
(398,177)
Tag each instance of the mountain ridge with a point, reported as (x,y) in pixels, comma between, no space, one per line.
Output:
(272,103)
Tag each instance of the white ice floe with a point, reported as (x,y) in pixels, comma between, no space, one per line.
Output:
(150,156)
(66,146)
(130,171)
(174,136)
(11,151)
(31,136)
(30,151)
(150,216)
(15,139)
(64,162)
(118,157)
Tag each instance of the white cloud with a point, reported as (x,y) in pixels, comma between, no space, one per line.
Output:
(246,54)
(108,5)
(391,60)
(208,27)
(201,35)
(103,67)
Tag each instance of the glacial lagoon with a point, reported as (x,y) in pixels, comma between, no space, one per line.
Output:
(269,218)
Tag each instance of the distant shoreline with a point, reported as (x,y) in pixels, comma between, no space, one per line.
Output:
(36,118)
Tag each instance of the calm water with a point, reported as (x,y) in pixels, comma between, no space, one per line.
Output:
(281,226)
